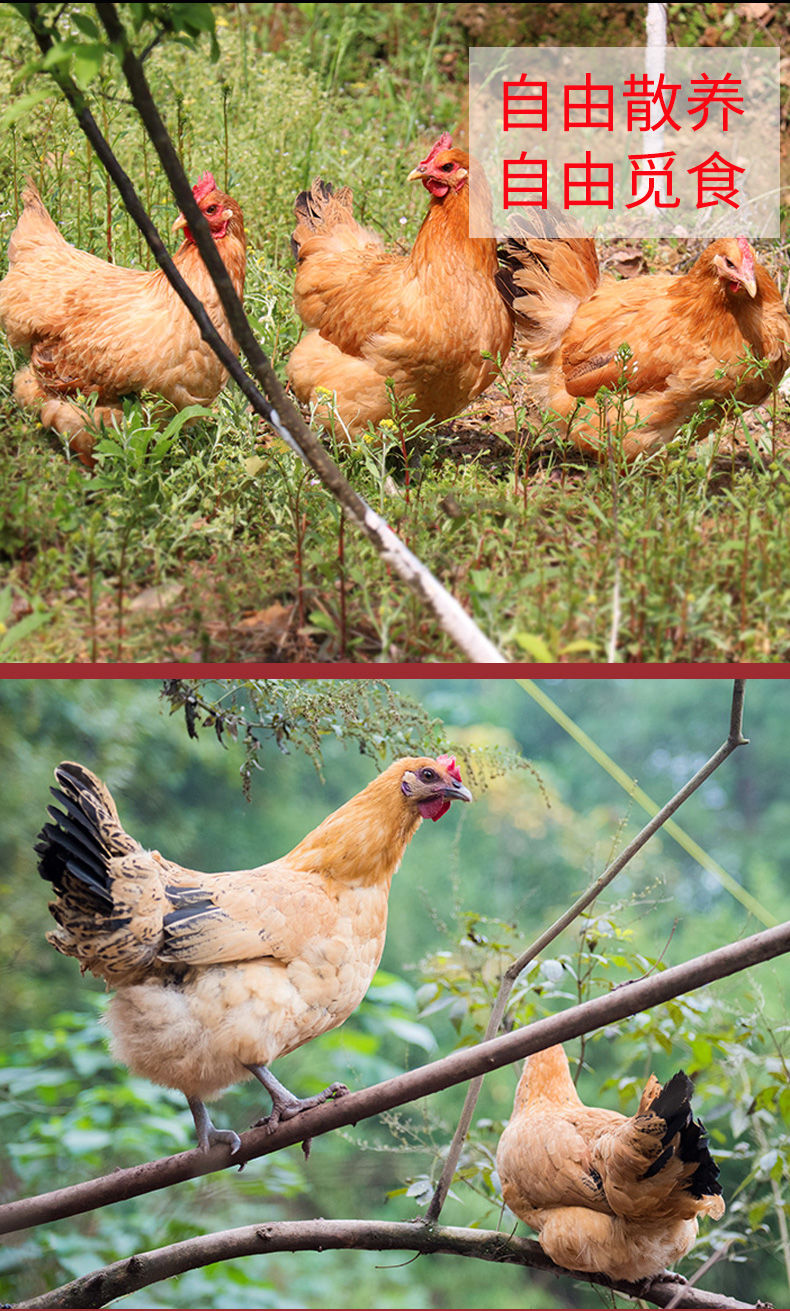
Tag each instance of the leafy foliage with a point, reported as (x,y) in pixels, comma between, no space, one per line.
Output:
(297,714)
(161,551)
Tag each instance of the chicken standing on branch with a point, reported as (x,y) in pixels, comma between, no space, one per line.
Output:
(216,975)
(689,337)
(607,1193)
(103,331)
(423,319)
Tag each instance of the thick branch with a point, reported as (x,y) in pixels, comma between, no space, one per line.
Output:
(280,412)
(139,1271)
(628,999)
(735,739)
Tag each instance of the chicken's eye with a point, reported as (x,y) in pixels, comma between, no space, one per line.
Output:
(427,775)
(212,209)
(447,168)
(729,263)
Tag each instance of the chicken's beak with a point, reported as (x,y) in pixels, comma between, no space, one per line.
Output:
(416,174)
(751,286)
(179,223)
(456,792)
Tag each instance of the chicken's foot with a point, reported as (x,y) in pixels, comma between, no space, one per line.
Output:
(284,1104)
(208,1136)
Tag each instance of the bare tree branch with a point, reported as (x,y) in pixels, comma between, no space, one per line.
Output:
(279,411)
(628,999)
(735,739)
(127,1276)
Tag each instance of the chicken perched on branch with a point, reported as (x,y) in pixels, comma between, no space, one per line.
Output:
(97,329)
(216,975)
(689,337)
(424,319)
(606,1193)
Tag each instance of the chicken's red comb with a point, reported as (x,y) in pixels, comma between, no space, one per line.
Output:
(448,762)
(444,143)
(747,255)
(204,186)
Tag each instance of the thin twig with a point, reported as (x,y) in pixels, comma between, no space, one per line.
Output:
(735,739)
(614,626)
(459,1066)
(714,1258)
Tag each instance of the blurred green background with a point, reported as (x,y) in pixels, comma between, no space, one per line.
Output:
(472,890)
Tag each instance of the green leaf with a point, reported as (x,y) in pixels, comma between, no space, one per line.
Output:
(85,1140)
(10,634)
(197,16)
(24,104)
(416,1034)
(552,969)
(184,416)
(767,1162)
(85,25)
(422,1189)
(535,646)
(60,53)
(86,64)
(703,1052)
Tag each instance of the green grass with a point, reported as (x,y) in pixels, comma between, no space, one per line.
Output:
(214,542)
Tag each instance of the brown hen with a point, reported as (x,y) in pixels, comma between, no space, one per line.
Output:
(606,1192)
(104,331)
(216,975)
(424,319)
(689,338)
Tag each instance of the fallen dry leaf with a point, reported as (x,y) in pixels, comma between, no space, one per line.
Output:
(155,598)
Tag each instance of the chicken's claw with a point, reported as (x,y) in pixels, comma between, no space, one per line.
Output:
(224,1136)
(670,1277)
(329,1094)
(286,1108)
(207,1135)
(284,1104)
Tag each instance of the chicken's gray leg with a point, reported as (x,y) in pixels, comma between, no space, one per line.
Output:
(207,1135)
(284,1104)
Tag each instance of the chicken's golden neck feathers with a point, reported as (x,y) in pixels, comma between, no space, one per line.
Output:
(546,1074)
(363,842)
(445,229)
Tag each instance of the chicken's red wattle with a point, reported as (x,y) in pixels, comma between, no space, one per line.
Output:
(433,809)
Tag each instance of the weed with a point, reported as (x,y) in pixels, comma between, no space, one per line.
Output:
(19,618)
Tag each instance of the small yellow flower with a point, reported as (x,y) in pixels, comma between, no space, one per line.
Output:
(388,424)
(323,393)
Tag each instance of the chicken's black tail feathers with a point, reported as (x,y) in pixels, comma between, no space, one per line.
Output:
(75,847)
(309,205)
(311,208)
(673,1105)
(514,256)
